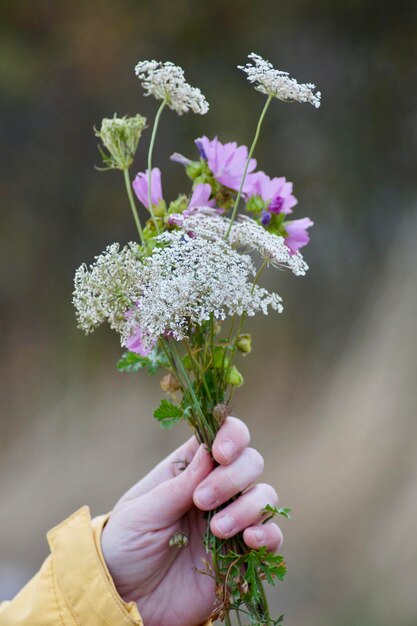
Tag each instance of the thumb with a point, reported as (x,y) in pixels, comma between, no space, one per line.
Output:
(173,498)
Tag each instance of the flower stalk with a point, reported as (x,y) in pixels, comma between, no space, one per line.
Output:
(150,152)
(245,171)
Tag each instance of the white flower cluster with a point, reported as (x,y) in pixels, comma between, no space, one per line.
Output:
(166,81)
(191,278)
(185,281)
(106,289)
(247,234)
(272,82)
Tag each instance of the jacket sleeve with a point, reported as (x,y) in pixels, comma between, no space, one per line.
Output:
(73,586)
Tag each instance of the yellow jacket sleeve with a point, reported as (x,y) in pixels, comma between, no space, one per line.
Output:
(73,586)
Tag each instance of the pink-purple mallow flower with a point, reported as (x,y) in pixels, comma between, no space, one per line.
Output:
(275,192)
(140,187)
(297,235)
(136,342)
(227,162)
(199,198)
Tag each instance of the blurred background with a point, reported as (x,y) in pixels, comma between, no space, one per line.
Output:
(331,393)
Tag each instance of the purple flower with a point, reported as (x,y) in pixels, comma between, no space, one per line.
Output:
(136,344)
(277,192)
(201,196)
(227,162)
(297,235)
(140,187)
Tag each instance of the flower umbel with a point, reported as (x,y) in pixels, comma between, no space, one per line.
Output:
(120,136)
(166,82)
(277,83)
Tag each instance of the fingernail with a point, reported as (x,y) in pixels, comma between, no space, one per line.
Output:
(227,449)
(205,496)
(259,536)
(224,524)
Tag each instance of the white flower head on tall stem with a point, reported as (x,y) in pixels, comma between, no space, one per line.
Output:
(277,83)
(166,82)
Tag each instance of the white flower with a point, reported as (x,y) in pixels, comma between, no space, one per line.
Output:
(106,289)
(189,279)
(185,281)
(248,235)
(278,84)
(166,81)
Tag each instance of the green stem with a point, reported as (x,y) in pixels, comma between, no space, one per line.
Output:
(216,384)
(190,389)
(252,148)
(150,151)
(198,370)
(132,203)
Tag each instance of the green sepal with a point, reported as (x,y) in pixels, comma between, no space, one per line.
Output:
(255,204)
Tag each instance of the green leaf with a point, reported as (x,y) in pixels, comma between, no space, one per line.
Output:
(132,362)
(168,414)
(273,510)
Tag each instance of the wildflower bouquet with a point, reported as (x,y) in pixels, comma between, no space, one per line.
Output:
(180,295)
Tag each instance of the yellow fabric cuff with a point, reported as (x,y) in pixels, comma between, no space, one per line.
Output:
(82,576)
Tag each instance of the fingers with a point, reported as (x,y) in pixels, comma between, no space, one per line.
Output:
(165,470)
(243,512)
(268,535)
(231,440)
(173,498)
(227,481)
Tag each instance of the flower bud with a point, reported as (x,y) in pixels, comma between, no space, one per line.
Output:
(220,412)
(220,358)
(234,377)
(255,204)
(244,343)
(120,137)
(169,383)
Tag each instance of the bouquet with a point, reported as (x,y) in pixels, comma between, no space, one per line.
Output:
(180,294)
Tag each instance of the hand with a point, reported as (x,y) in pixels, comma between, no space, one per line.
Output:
(163,580)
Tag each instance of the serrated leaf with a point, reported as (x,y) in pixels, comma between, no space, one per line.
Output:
(168,414)
(273,510)
(133,362)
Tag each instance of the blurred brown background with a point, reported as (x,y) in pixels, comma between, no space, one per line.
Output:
(330,392)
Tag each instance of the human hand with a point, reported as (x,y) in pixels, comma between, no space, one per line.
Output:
(164,581)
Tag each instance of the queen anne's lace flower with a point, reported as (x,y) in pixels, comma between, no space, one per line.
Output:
(191,278)
(278,84)
(106,289)
(246,234)
(166,81)
(185,281)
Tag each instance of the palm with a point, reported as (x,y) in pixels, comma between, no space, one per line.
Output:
(173,574)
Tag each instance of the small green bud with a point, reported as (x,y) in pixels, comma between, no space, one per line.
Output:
(255,204)
(194,169)
(234,377)
(244,343)
(220,359)
(120,137)
(179,205)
